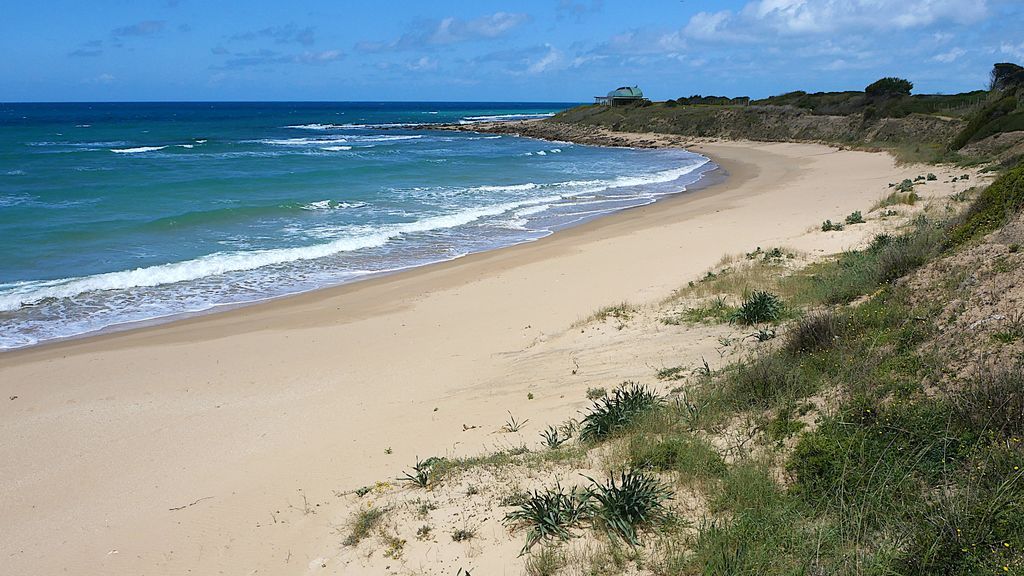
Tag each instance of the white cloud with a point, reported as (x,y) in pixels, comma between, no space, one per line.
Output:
(808,17)
(950,55)
(422,64)
(707,25)
(546,62)
(104,78)
(449,31)
(1013,50)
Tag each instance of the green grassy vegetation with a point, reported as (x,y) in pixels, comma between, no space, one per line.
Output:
(621,312)
(715,311)
(992,208)
(845,447)
(687,456)
(859,272)
(896,198)
(879,105)
(901,472)
(914,127)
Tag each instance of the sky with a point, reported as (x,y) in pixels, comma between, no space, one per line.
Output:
(526,50)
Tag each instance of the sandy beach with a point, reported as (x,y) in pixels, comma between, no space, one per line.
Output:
(215,444)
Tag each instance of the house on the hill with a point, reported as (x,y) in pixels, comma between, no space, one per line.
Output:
(621,95)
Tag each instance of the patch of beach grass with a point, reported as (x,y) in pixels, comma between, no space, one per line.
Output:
(897,198)
(622,312)
(549,561)
(363,524)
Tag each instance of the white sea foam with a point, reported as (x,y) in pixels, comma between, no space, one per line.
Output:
(508,188)
(332,205)
(15,173)
(14,200)
(137,150)
(15,295)
(302,141)
(275,264)
(313,126)
(336,148)
(503,118)
(201,141)
(190,146)
(353,126)
(331,140)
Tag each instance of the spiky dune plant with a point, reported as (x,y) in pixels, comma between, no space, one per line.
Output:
(636,501)
(761,306)
(623,406)
(551,513)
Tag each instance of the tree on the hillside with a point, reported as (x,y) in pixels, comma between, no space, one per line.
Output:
(890,86)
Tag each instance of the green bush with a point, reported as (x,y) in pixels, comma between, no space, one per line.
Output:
(992,208)
(855,218)
(817,331)
(890,86)
(763,381)
(828,226)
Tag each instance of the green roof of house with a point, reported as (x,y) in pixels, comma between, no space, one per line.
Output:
(626,92)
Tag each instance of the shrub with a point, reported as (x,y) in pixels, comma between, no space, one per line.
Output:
(633,503)
(890,86)
(760,307)
(611,413)
(855,218)
(905,253)
(763,381)
(931,177)
(463,534)
(595,393)
(828,226)
(550,514)
(817,331)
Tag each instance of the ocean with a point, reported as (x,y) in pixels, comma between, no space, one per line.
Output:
(119,213)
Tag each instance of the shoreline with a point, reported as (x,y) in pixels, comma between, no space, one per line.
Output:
(155,322)
(246,413)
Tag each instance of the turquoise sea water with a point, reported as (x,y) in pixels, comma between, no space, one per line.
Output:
(116,213)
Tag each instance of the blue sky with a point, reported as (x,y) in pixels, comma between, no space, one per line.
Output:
(527,50)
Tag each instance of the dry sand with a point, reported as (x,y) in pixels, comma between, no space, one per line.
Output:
(216,445)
